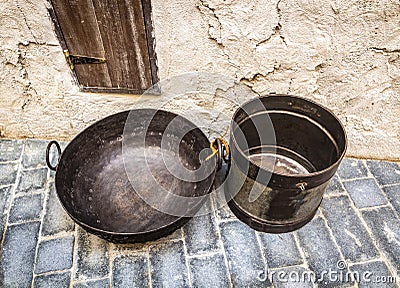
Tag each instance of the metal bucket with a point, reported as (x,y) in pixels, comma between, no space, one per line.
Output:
(284,151)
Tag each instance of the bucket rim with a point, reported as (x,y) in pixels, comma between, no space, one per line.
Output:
(299,175)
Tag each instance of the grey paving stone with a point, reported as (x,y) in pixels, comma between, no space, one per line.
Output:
(130,271)
(18,255)
(8,173)
(103,283)
(385,172)
(385,228)
(243,254)
(352,168)
(92,257)
(280,249)
(224,212)
(220,203)
(393,193)
(373,274)
(27,207)
(32,180)
(291,277)
(55,219)
(54,254)
(34,153)
(134,248)
(58,280)
(168,268)
(334,187)
(10,150)
(177,234)
(365,193)
(320,251)
(201,234)
(209,271)
(352,237)
(5,201)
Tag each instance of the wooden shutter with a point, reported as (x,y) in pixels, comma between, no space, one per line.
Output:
(119,31)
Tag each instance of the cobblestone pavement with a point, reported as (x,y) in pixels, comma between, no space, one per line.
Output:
(355,232)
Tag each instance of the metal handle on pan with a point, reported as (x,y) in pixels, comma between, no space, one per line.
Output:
(51,167)
(220,149)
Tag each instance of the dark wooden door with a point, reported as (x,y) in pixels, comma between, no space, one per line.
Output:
(120,31)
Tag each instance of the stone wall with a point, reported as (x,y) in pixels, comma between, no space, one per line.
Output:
(342,54)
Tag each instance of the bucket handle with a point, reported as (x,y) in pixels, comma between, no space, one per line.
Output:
(51,143)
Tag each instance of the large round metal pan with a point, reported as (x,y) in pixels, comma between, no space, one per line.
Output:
(97,187)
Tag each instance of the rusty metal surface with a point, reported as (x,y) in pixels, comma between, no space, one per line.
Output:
(93,186)
(291,170)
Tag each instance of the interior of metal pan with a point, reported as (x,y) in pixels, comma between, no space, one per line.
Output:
(135,172)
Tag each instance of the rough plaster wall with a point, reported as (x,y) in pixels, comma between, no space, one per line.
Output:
(343,54)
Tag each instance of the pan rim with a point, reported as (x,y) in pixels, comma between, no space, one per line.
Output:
(141,233)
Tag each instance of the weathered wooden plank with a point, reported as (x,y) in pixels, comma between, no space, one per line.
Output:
(132,13)
(151,41)
(119,31)
(79,26)
(109,24)
(122,30)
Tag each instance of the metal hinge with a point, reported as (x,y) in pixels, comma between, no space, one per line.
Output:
(73,60)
